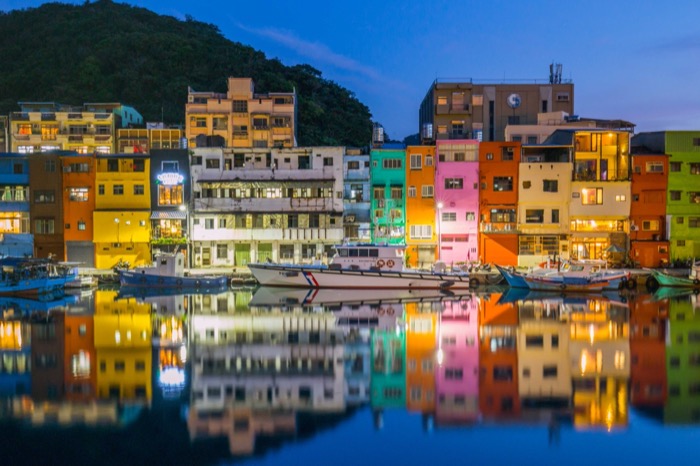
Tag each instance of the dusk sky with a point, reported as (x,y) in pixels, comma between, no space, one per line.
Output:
(634,60)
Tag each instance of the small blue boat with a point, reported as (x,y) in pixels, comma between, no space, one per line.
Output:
(31,276)
(168,271)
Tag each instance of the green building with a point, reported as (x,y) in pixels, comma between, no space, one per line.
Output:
(388,374)
(683,196)
(683,362)
(388,194)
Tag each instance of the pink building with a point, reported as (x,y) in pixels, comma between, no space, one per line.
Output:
(457,200)
(457,375)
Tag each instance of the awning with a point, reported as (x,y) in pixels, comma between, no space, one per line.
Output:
(169,215)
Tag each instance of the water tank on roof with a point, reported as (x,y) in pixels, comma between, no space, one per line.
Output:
(378,134)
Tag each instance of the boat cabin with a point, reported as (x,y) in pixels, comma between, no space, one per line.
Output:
(165,265)
(368,257)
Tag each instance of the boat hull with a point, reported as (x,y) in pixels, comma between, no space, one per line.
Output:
(132,279)
(34,286)
(665,279)
(323,277)
(563,283)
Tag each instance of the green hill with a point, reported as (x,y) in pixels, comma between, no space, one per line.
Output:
(112,52)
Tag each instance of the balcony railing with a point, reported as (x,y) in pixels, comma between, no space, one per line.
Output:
(511,227)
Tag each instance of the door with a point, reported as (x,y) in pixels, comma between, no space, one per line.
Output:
(264,252)
(242,255)
(206,256)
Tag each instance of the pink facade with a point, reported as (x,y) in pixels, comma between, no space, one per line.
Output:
(457,375)
(457,200)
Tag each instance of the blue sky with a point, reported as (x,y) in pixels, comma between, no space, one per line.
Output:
(634,60)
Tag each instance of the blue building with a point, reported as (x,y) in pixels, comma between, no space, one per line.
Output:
(356,196)
(15,236)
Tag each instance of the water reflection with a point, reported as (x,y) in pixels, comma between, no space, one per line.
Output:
(247,366)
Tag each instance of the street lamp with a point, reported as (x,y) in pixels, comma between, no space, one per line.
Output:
(116,220)
(439,206)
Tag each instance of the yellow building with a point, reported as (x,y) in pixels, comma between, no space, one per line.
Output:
(421,237)
(123,333)
(122,210)
(142,140)
(86,129)
(421,356)
(240,118)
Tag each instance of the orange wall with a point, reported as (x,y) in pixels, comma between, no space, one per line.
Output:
(648,207)
(419,210)
(650,253)
(420,346)
(74,211)
(80,387)
(648,352)
(499,248)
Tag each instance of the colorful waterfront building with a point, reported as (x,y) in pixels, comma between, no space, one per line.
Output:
(78,173)
(421,355)
(258,204)
(648,387)
(17,239)
(498,202)
(682,356)
(47,350)
(90,128)
(649,246)
(498,358)
(122,210)
(388,185)
(15,357)
(240,117)
(388,381)
(543,203)
(356,196)
(123,334)
(457,200)
(421,237)
(457,371)
(80,356)
(599,351)
(170,200)
(153,136)
(683,201)
(46,205)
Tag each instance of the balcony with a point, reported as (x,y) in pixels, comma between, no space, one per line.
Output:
(48,117)
(511,227)
(19,116)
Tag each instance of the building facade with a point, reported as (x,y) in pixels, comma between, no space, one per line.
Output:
(421,236)
(356,196)
(240,117)
(388,185)
(17,239)
(79,195)
(46,205)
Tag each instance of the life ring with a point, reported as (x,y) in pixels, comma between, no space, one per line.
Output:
(631,284)
(380,263)
(381,311)
(390,311)
(562,286)
(474,282)
(390,263)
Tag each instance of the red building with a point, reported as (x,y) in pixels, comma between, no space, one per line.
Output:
(648,352)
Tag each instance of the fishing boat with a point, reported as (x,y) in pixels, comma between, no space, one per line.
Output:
(81,280)
(664,279)
(364,266)
(168,271)
(570,276)
(31,276)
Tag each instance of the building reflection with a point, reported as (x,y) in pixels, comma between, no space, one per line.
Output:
(247,367)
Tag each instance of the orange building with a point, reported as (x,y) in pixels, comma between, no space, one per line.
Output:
(78,206)
(80,374)
(421,321)
(421,238)
(648,244)
(498,202)
(498,359)
(648,352)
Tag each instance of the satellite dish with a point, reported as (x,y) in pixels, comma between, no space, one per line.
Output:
(514,100)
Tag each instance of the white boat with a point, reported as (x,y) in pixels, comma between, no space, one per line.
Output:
(362,266)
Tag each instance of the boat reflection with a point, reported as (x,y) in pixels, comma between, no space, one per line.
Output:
(245,365)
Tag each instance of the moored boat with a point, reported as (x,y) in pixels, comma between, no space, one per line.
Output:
(667,280)
(363,266)
(30,276)
(583,276)
(168,271)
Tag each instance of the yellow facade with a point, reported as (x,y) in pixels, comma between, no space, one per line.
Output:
(123,332)
(241,118)
(122,210)
(142,140)
(421,237)
(421,357)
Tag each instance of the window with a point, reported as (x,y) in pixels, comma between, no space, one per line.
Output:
(592,196)
(694,197)
(449,216)
(139,165)
(118,189)
(549,372)
(411,191)
(378,192)
(81,225)
(507,154)
(314,221)
(650,225)
(421,231)
(555,215)
(170,195)
(50,166)
(502,183)
(208,223)
(222,222)
(696,142)
(693,222)
(534,341)
(112,165)
(292,221)
(416,161)
(396,192)
(527,184)
(428,160)
(221,251)
(489,156)
(453,373)
(675,195)
(212,163)
(427,190)
(240,106)
(78,194)
(550,186)
(680,243)
(44,226)
(327,161)
(674,166)
(620,198)
(139,190)
(655,167)
(44,197)
(454,183)
(680,220)
(534,216)
(353,165)
(471,216)
(392,163)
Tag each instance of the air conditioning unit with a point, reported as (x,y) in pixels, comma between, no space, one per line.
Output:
(634,228)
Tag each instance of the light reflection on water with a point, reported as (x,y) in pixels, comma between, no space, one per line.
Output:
(275,371)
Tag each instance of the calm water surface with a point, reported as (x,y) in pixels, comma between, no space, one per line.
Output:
(274,376)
